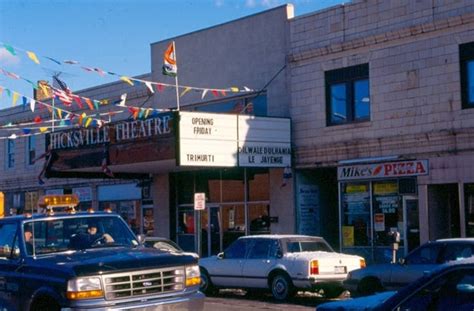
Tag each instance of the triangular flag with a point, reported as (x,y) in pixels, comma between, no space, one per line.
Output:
(160,87)
(123,99)
(147,112)
(10,49)
(204,93)
(15,98)
(53,60)
(135,114)
(88,122)
(89,103)
(1,91)
(126,79)
(223,93)
(234,89)
(141,113)
(26,131)
(187,89)
(43,129)
(33,57)
(37,119)
(77,99)
(149,86)
(25,101)
(71,62)
(96,104)
(9,93)
(215,93)
(32,105)
(60,113)
(247,89)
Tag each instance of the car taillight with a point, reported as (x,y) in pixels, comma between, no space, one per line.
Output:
(362,263)
(314,267)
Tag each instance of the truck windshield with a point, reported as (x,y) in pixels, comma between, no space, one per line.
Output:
(62,234)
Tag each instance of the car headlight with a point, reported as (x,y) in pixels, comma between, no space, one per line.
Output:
(193,276)
(84,288)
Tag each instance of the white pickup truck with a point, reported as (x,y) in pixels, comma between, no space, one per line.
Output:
(281,263)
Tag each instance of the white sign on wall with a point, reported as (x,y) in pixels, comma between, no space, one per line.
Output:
(83,193)
(210,139)
(199,201)
(207,139)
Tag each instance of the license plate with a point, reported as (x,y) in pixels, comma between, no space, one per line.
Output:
(340,269)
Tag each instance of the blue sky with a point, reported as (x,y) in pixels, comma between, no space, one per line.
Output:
(113,35)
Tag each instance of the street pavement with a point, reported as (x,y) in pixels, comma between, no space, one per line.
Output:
(236,300)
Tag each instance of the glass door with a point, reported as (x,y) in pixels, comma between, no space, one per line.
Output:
(412,223)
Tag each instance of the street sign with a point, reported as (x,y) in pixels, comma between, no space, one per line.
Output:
(199,201)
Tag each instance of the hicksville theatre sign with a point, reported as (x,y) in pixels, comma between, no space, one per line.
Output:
(188,138)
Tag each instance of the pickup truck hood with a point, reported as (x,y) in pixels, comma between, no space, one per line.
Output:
(93,261)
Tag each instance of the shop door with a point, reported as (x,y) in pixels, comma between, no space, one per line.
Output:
(412,223)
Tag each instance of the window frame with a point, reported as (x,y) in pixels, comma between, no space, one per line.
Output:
(30,149)
(466,55)
(348,77)
(10,156)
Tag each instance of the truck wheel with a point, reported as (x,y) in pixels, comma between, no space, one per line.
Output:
(369,286)
(206,284)
(281,287)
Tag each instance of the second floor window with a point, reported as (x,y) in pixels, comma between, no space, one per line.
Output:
(466,58)
(31,149)
(10,153)
(347,95)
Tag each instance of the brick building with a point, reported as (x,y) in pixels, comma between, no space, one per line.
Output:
(382,122)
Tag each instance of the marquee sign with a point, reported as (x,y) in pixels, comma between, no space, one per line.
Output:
(383,170)
(210,139)
(119,132)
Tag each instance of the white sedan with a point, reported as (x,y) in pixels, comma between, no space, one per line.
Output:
(280,263)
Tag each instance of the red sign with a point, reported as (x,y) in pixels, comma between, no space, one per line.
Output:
(383,170)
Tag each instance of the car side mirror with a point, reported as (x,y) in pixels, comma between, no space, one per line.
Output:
(220,255)
(141,238)
(15,254)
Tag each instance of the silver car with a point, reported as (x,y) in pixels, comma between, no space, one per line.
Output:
(380,277)
(279,263)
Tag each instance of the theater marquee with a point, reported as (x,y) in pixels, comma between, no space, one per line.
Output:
(209,139)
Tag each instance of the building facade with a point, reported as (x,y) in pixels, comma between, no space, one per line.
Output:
(382,122)
(237,69)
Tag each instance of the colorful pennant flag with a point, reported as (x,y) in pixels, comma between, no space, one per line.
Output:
(32,105)
(126,79)
(10,49)
(187,89)
(33,57)
(15,98)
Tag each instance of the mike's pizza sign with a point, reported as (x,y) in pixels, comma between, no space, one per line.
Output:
(383,170)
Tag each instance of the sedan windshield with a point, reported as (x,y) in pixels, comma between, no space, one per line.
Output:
(48,236)
(307,246)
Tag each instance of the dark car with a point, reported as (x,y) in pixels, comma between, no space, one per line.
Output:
(448,287)
(393,276)
(89,261)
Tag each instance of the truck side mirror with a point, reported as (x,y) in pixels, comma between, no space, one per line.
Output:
(220,255)
(141,238)
(279,253)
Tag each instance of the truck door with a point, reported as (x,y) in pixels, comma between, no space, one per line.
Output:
(9,262)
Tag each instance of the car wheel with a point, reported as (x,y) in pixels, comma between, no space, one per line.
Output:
(369,286)
(333,291)
(282,287)
(206,285)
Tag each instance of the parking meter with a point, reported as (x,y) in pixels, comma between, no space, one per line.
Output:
(395,241)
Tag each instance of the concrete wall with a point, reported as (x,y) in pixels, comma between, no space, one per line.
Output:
(412,51)
(161,210)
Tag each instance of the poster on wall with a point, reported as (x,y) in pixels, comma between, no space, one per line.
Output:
(347,236)
(308,209)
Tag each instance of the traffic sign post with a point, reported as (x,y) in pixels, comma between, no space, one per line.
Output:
(199,205)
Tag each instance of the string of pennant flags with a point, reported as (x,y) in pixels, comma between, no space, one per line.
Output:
(152,86)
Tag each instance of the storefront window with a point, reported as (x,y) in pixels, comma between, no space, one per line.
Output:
(388,212)
(356,225)
(128,210)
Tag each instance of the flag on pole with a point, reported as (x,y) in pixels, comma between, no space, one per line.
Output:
(169,61)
